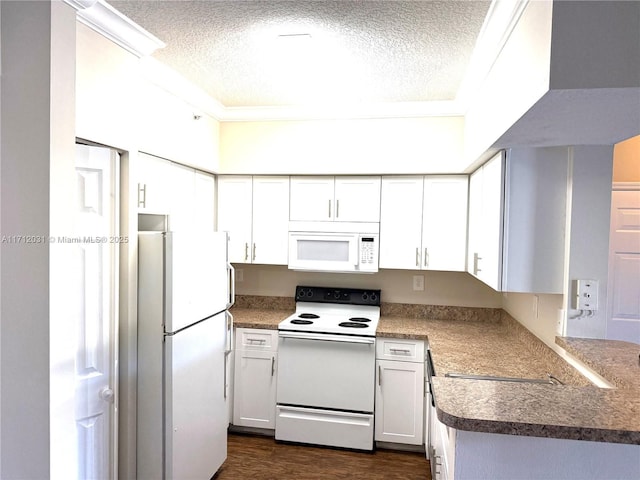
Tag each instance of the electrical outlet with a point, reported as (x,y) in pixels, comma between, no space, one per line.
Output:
(586,295)
(560,322)
(536,300)
(418,283)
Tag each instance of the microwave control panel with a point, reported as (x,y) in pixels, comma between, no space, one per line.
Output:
(367,250)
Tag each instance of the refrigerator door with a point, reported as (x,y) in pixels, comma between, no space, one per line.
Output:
(196,277)
(195,408)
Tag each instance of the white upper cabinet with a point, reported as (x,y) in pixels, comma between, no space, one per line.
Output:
(517,209)
(235,203)
(255,212)
(485,222)
(270,220)
(343,199)
(401,222)
(153,184)
(423,222)
(186,195)
(444,223)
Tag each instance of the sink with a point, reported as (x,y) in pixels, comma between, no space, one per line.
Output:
(551,380)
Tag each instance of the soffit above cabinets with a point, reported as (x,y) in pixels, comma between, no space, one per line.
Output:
(294,54)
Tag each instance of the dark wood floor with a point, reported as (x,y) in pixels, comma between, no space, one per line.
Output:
(262,458)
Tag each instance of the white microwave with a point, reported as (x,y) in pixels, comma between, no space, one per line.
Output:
(334,246)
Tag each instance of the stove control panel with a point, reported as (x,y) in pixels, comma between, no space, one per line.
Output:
(347,296)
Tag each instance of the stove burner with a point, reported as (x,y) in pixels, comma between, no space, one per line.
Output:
(299,321)
(352,325)
(308,315)
(359,319)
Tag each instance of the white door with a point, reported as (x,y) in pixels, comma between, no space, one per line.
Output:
(234,215)
(444,223)
(195,407)
(623,305)
(357,199)
(401,222)
(96,254)
(312,199)
(270,220)
(399,402)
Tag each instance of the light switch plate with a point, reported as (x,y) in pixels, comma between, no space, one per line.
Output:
(418,283)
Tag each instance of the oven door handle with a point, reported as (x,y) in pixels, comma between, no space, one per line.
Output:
(327,337)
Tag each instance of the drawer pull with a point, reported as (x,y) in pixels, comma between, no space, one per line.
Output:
(259,341)
(404,351)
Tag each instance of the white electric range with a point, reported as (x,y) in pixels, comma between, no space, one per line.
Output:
(326,368)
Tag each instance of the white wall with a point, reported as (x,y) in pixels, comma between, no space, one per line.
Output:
(441,288)
(357,146)
(588,233)
(595,45)
(37,132)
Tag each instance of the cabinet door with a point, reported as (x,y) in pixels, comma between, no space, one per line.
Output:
(490,263)
(153,184)
(400,222)
(255,389)
(270,220)
(486,197)
(312,199)
(357,199)
(399,402)
(183,199)
(205,196)
(444,223)
(234,215)
(475,221)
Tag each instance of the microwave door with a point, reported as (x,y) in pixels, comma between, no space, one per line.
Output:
(323,252)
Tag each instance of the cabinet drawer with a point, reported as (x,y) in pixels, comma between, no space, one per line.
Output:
(398,349)
(256,339)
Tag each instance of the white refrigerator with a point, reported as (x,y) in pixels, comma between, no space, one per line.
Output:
(185,288)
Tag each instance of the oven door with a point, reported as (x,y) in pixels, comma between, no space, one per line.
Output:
(326,371)
(333,252)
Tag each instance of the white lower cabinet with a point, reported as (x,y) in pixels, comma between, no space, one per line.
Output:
(254,397)
(399,402)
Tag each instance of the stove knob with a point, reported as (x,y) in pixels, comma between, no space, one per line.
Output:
(336,295)
(373,297)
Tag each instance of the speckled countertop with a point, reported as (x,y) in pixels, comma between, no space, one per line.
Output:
(490,342)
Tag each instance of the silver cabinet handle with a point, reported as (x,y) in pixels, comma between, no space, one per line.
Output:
(476,261)
(142,189)
(253,255)
(337,208)
(273,365)
(426,257)
(417,257)
(329,211)
(400,350)
(246,251)
(379,375)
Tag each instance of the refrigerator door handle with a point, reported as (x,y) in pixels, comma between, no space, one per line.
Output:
(228,333)
(232,285)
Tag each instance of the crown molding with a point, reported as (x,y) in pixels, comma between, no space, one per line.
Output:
(341,112)
(106,20)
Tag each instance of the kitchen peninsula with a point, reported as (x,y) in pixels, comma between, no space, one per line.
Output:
(506,429)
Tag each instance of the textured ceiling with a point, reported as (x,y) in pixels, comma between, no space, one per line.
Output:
(352,52)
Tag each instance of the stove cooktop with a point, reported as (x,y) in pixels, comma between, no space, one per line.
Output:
(342,311)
